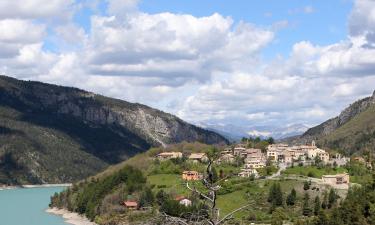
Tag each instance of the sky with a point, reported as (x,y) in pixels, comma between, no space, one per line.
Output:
(246,63)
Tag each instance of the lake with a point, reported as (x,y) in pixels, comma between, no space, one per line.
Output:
(26,206)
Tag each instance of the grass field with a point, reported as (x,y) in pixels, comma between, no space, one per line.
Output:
(313,171)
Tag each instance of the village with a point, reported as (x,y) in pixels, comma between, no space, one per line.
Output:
(244,163)
(279,155)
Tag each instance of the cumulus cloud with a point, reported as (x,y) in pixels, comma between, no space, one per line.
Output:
(32,9)
(175,47)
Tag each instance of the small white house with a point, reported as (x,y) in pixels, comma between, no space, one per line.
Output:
(183,201)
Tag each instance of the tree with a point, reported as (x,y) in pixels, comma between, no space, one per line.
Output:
(325,200)
(215,177)
(306,211)
(291,198)
(306,185)
(147,197)
(332,198)
(317,160)
(221,174)
(277,217)
(322,219)
(270,140)
(316,205)
(161,197)
(209,214)
(275,196)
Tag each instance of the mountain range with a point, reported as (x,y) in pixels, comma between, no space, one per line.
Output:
(55,134)
(236,132)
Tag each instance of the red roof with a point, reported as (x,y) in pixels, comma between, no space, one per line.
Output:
(130,204)
(179,198)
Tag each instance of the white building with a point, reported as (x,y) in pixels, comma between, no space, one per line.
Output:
(248,173)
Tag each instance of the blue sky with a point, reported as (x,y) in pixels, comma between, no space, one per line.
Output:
(245,63)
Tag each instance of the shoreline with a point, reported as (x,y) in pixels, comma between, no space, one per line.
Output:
(70,217)
(5,187)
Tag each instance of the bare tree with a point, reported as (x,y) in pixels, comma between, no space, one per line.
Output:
(211,216)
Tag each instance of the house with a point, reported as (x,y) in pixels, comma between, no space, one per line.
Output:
(190,175)
(183,201)
(252,151)
(338,180)
(131,205)
(227,158)
(273,155)
(289,157)
(226,151)
(254,157)
(169,155)
(255,164)
(324,156)
(238,150)
(198,157)
(248,173)
(317,152)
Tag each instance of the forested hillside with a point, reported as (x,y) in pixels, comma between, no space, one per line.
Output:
(54,134)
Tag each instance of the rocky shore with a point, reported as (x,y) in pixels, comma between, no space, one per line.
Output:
(69,217)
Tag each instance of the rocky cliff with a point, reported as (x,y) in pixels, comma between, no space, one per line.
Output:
(103,129)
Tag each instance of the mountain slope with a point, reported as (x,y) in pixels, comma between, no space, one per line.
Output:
(351,131)
(50,133)
(358,134)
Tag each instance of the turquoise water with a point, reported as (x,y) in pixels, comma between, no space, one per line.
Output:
(27,207)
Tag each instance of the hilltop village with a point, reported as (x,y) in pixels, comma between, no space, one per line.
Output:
(279,155)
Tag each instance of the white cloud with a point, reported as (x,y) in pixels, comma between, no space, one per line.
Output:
(174,47)
(120,7)
(32,9)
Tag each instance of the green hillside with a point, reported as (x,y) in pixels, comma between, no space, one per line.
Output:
(351,132)
(357,135)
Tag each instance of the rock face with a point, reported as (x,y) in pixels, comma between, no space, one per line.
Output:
(109,129)
(333,124)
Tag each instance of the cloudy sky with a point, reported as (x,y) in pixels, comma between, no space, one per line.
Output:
(235,62)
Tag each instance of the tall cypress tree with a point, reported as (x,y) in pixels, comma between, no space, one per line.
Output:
(325,200)
(332,197)
(316,205)
(306,211)
(291,198)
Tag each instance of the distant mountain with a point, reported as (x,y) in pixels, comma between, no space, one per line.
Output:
(235,133)
(352,131)
(53,134)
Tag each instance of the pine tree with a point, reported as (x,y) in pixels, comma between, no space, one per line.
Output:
(322,219)
(275,196)
(316,205)
(325,200)
(278,195)
(291,198)
(306,211)
(332,197)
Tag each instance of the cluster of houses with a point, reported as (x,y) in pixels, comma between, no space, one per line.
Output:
(255,159)
(194,157)
(285,154)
